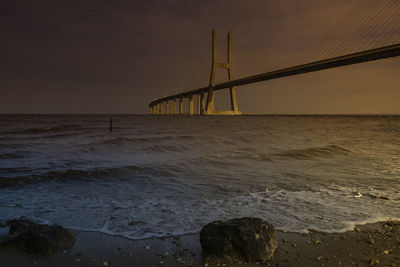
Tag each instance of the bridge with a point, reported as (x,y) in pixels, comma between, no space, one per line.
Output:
(205,95)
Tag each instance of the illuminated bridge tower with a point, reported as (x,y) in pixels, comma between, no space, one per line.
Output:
(209,108)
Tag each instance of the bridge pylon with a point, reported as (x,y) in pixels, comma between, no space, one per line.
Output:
(209,107)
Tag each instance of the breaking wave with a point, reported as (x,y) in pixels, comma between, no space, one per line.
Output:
(124,173)
(314,153)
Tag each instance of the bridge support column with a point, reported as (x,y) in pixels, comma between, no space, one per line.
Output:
(167,107)
(174,106)
(191,105)
(198,104)
(181,106)
(202,106)
(210,102)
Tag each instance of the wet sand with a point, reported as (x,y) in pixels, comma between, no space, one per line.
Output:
(368,245)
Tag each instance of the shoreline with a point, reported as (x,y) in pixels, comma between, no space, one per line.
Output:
(366,245)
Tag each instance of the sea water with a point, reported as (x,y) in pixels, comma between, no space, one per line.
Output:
(169,175)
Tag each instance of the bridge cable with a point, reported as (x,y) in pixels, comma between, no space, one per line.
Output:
(363,35)
(347,36)
(310,53)
(381,39)
(389,31)
(349,33)
(336,36)
(332,41)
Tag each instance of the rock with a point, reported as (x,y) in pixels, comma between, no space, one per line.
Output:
(37,238)
(238,240)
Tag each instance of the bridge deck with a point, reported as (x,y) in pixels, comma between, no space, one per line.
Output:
(359,57)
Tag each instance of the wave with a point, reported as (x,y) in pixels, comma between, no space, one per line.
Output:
(165,148)
(10,156)
(123,140)
(123,173)
(314,153)
(58,128)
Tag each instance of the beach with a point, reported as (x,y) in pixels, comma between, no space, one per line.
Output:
(367,245)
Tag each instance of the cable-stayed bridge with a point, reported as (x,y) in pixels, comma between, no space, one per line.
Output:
(369,31)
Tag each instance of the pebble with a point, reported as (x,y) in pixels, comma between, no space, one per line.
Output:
(373,261)
(386,251)
(320,258)
(294,245)
(316,242)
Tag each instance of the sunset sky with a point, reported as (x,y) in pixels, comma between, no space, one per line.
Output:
(116,56)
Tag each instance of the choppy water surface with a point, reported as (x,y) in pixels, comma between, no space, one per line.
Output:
(163,175)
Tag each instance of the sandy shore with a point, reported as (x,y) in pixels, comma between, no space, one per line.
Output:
(368,245)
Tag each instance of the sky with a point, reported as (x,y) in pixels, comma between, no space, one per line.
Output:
(103,56)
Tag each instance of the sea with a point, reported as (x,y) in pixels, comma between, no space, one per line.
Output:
(164,175)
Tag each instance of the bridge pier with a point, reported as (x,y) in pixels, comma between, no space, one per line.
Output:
(191,105)
(181,106)
(174,106)
(210,102)
(198,104)
(202,106)
(167,107)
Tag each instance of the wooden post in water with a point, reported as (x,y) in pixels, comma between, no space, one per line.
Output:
(111,126)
